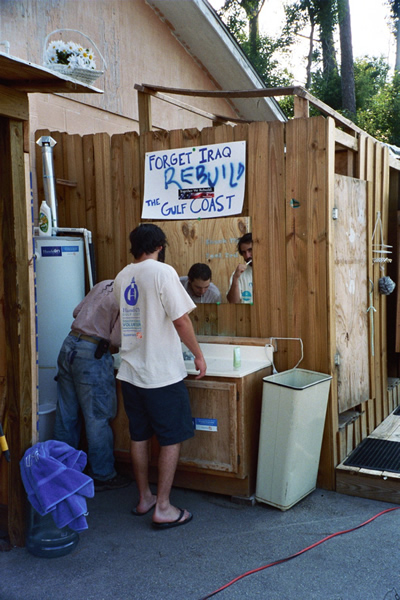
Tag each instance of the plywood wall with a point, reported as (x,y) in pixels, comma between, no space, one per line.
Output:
(352,289)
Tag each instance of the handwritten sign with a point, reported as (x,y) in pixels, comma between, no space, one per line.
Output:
(190,183)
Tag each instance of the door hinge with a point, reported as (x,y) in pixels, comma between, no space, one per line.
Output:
(335,213)
(238,459)
(337,359)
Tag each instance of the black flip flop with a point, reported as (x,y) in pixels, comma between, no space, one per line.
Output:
(177,523)
(136,513)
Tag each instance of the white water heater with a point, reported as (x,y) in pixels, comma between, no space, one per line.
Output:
(60,286)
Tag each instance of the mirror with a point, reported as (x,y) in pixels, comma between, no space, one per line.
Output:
(209,241)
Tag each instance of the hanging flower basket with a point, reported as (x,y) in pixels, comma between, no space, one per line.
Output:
(72,59)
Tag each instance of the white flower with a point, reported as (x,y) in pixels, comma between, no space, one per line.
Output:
(69,54)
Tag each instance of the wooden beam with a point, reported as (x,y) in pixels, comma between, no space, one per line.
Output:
(328,111)
(394,163)
(217,119)
(13,104)
(144,105)
(257,93)
(346,140)
(66,182)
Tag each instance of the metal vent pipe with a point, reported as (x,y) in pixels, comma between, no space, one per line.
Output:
(49,181)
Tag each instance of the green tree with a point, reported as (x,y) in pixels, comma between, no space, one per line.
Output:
(380,116)
(322,16)
(298,15)
(371,75)
(346,60)
(242,19)
(363,90)
(394,6)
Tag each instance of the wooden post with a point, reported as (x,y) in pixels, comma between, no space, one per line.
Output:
(19,321)
(144,103)
(301,108)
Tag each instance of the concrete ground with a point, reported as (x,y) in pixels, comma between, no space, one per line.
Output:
(121,557)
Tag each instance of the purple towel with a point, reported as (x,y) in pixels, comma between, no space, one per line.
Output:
(52,475)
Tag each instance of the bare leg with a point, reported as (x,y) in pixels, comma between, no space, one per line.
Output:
(140,462)
(167,463)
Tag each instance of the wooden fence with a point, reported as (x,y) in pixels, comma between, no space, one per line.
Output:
(289,199)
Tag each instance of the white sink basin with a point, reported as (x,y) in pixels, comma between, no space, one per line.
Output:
(219,359)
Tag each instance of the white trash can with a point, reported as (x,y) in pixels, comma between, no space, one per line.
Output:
(292,424)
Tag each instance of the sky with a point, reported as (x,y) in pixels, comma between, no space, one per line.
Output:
(370,30)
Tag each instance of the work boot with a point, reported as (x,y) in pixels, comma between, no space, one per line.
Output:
(116,483)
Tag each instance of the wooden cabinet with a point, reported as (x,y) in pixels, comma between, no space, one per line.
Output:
(222,456)
(223,459)
(214,406)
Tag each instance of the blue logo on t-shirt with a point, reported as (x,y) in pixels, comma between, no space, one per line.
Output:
(131,293)
(246,296)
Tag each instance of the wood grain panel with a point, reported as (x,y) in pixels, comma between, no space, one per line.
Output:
(105,210)
(90,221)
(351,286)
(306,237)
(74,172)
(19,323)
(216,450)
(266,201)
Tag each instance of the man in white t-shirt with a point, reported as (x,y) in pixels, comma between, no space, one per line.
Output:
(154,309)
(241,281)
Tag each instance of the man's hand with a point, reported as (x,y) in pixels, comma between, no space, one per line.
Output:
(201,366)
(239,270)
(185,330)
(233,296)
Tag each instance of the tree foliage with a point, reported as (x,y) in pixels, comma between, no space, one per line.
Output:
(364,90)
(242,20)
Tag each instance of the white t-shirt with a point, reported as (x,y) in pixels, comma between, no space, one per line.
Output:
(245,285)
(151,297)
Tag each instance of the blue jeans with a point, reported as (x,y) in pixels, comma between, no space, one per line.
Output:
(86,386)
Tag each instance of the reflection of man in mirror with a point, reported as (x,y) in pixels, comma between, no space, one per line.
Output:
(241,281)
(198,285)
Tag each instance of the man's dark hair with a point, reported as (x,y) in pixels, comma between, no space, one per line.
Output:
(199,271)
(145,239)
(247,238)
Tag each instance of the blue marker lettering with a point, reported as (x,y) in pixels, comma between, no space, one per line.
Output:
(221,207)
(173,210)
(202,152)
(201,174)
(229,198)
(232,183)
(186,175)
(213,183)
(181,157)
(169,178)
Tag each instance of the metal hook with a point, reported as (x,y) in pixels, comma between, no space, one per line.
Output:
(372,286)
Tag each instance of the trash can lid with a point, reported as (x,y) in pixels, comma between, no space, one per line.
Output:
(297,379)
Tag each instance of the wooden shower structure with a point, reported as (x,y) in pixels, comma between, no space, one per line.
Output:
(321,195)
(315,188)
